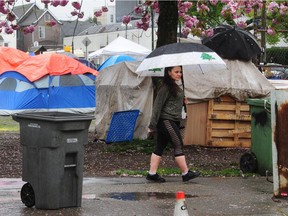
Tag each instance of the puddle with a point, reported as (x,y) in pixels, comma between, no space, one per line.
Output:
(136,196)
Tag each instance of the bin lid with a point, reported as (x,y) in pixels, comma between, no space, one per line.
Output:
(54,116)
(260,102)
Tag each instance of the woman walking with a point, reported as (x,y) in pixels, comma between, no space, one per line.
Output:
(165,120)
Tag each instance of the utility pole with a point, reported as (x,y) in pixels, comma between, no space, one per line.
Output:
(263,33)
(152,28)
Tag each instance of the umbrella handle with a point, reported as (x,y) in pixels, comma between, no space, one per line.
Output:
(183,86)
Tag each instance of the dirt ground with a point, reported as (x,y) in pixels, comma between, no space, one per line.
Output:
(98,162)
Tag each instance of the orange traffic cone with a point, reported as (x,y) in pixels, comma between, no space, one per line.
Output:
(180,205)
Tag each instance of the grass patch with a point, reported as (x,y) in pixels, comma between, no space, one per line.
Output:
(231,172)
(136,145)
(7,124)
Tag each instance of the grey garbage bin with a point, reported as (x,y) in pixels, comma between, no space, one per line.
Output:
(52,160)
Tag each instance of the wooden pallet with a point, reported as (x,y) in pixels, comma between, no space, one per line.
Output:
(228,123)
(221,122)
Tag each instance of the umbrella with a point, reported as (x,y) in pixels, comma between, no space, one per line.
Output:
(183,54)
(114,60)
(193,55)
(233,43)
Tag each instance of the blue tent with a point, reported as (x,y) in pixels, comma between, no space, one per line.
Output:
(17,93)
(67,93)
(114,60)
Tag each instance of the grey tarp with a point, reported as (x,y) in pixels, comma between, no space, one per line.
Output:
(118,88)
(241,80)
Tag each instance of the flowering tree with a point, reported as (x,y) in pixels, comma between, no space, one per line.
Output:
(9,23)
(199,17)
(195,17)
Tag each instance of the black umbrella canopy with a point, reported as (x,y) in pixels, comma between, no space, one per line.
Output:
(233,43)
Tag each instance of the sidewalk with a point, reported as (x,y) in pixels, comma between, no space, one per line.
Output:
(128,196)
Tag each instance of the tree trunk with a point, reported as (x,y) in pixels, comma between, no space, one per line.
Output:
(167,23)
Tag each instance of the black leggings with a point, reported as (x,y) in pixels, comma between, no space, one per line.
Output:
(168,130)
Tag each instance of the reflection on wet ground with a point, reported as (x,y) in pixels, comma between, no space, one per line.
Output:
(136,196)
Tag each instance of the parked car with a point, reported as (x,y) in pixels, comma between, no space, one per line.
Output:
(275,71)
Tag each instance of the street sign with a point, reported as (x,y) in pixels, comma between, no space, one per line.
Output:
(86,41)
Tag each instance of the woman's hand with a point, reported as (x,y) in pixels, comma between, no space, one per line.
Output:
(185,101)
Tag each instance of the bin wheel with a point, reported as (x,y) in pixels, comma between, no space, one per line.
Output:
(28,195)
(248,162)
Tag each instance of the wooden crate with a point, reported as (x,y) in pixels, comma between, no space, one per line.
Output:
(221,122)
(228,123)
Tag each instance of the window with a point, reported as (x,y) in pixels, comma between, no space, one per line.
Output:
(47,17)
(41,31)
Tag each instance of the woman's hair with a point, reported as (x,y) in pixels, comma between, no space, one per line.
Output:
(167,80)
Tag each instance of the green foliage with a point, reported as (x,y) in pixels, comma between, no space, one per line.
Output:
(277,55)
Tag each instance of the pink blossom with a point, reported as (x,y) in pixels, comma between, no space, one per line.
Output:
(204,7)
(214,2)
(55,3)
(98,13)
(209,32)
(9,30)
(248,10)
(3,23)
(241,24)
(29,29)
(51,23)
(74,13)
(155,5)
(63,3)
(225,1)
(4,10)
(45,1)
(283,9)
(80,15)
(189,24)
(76,5)
(11,17)
(274,21)
(271,31)
(126,19)
(146,18)
(14,27)
(185,31)
(104,9)
(138,10)
(142,25)
(273,7)
(2,3)
(11,2)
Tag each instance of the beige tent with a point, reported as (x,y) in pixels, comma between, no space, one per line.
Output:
(241,80)
(118,88)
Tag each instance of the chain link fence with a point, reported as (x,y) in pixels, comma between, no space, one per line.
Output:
(273,61)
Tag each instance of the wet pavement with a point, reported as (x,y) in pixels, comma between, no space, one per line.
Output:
(125,196)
